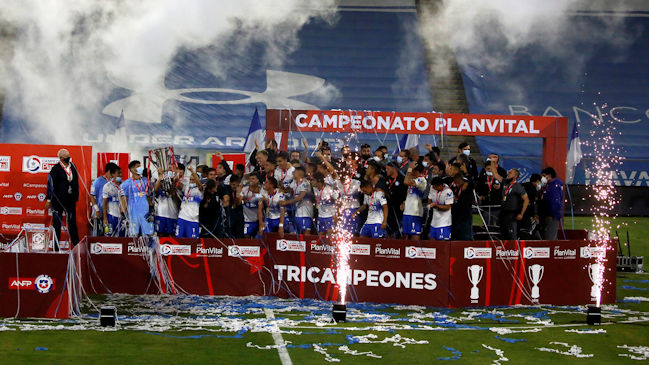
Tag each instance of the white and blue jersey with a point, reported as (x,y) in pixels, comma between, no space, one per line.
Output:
(413,205)
(351,194)
(284,177)
(191,201)
(250,201)
(96,190)
(187,225)
(304,207)
(111,192)
(326,201)
(375,203)
(273,209)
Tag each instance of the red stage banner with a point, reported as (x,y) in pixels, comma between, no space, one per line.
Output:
(341,121)
(231,158)
(23,185)
(34,285)
(382,271)
(120,158)
(527,272)
(430,273)
(203,267)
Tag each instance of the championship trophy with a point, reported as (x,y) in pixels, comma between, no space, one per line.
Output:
(163,159)
(595,272)
(536,274)
(475,275)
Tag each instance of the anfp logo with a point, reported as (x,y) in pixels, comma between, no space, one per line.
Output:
(282,245)
(18,196)
(43,284)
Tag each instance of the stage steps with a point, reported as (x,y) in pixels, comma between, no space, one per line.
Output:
(444,78)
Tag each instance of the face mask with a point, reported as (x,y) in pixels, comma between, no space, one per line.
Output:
(466,152)
(139,170)
(118,180)
(489,173)
(538,187)
(192,185)
(377,159)
(543,181)
(399,159)
(425,163)
(365,157)
(66,160)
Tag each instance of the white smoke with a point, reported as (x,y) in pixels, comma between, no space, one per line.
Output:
(487,34)
(64,52)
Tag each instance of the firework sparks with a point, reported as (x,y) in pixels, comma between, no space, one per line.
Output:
(605,160)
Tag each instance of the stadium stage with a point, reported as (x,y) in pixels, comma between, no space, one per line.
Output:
(427,273)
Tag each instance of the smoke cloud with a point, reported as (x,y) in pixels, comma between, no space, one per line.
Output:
(65,53)
(487,34)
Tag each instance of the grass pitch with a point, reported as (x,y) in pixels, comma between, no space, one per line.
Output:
(207,330)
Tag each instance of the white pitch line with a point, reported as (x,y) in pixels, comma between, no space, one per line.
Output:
(279,341)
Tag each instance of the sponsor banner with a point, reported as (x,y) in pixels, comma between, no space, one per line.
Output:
(360,249)
(592,252)
(507,254)
(319,247)
(43,284)
(121,159)
(564,253)
(39,164)
(288,245)
(477,252)
(536,252)
(176,250)
(11,210)
(201,250)
(244,251)
(232,159)
(5,163)
(106,248)
(33,285)
(551,273)
(415,252)
(390,252)
(339,121)
(24,185)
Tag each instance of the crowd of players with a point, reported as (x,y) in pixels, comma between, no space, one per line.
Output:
(412,196)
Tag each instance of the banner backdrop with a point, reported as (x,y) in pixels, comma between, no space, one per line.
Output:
(33,285)
(121,159)
(232,159)
(527,272)
(23,185)
(383,271)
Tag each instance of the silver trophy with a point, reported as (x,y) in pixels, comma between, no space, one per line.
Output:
(164,160)
(596,275)
(475,275)
(536,274)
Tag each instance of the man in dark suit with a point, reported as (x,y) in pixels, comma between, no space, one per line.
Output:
(62,196)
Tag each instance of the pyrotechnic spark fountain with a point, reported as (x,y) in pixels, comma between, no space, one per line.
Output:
(606,159)
(342,236)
